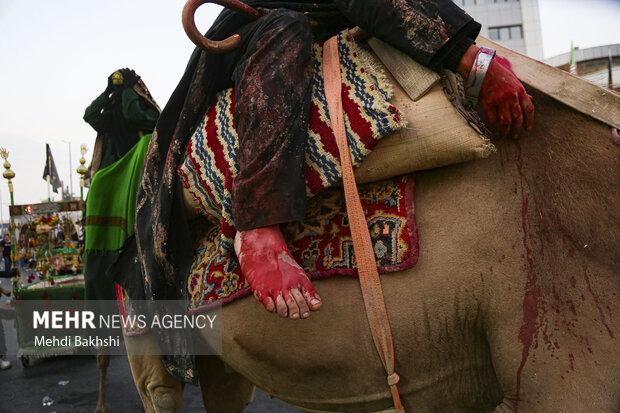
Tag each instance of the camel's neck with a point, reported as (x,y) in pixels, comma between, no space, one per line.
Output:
(569,169)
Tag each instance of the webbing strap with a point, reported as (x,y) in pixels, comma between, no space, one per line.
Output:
(364,253)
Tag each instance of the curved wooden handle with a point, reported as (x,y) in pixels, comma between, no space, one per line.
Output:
(222,46)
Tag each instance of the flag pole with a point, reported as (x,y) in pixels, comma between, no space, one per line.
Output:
(610,80)
(572,65)
(49,176)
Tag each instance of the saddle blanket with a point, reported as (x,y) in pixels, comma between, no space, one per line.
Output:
(321,243)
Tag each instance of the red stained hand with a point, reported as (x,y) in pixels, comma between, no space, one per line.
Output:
(503,97)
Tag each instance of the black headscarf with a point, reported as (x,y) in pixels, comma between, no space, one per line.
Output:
(117,136)
(124,136)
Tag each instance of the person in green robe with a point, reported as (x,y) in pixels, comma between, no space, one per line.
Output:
(124,116)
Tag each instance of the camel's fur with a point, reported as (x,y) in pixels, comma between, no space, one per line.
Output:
(512,306)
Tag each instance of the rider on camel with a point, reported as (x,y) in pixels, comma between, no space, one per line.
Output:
(271,71)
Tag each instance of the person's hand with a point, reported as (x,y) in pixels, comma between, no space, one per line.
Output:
(130,77)
(110,87)
(503,97)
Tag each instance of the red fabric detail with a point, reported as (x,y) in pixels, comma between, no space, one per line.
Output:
(358,124)
(210,130)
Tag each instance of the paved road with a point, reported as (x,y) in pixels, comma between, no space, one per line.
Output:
(23,389)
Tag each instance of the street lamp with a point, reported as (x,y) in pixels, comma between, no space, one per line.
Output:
(1,213)
(8,175)
(82,170)
(70,171)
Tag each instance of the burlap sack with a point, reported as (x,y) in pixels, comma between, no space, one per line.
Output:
(436,134)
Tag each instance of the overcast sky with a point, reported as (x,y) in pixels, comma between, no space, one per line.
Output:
(55,57)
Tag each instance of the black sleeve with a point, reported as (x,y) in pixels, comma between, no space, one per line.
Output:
(451,53)
(434,33)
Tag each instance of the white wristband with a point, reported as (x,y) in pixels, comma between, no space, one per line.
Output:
(478,72)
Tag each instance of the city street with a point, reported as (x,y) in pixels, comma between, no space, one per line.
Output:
(22,389)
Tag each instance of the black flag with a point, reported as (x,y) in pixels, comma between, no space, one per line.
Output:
(50,170)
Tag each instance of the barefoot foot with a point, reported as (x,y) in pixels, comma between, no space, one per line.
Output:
(278,282)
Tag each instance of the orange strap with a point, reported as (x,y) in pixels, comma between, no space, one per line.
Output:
(364,253)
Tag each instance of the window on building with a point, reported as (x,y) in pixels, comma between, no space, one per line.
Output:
(504,33)
(513,32)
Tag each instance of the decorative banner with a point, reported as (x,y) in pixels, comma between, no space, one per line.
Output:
(46,208)
(50,170)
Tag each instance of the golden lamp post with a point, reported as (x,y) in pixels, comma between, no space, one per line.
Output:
(8,175)
(82,170)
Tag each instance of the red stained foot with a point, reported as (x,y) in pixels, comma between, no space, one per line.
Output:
(276,279)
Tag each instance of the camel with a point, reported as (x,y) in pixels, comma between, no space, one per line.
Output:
(512,305)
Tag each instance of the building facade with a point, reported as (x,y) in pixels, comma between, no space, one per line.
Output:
(592,64)
(514,24)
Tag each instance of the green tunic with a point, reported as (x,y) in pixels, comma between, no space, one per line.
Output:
(138,121)
(110,213)
(136,117)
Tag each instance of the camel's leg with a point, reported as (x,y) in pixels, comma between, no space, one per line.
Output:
(103,361)
(223,389)
(159,391)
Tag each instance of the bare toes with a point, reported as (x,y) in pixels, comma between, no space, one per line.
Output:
(313,299)
(269,305)
(293,308)
(304,311)
(281,306)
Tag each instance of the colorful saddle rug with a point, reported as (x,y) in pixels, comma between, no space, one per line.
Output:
(321,243)
(211,162)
